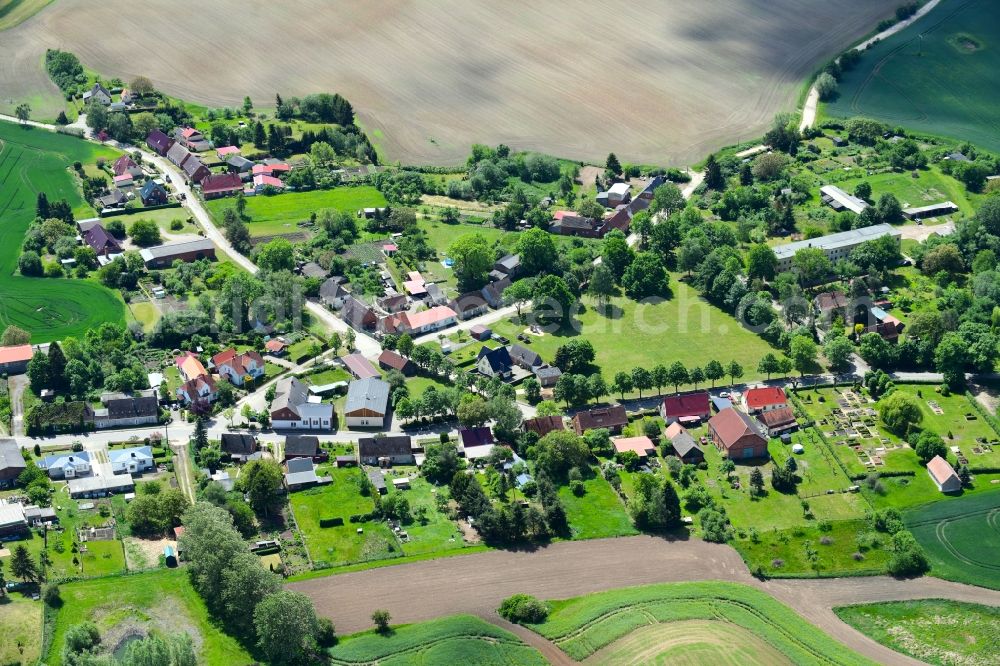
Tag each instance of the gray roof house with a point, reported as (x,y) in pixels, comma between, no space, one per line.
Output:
(367,402)
(397,449)
(11,462)
(494,362)
(526,358)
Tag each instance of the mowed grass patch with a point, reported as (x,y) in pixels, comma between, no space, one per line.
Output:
(281,213)
(929,187)
(21,628)
(33,161)
(961,537)
(935,631)
(342,544)
(928,78)
(162,600)
(683,328)
(598,513)
(450,640)
(584,625)
(430,531)
(839,548)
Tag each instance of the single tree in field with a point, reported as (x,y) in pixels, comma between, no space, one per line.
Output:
(23,112)
(381,618)
(727,467)
(714,179)
(735,371)
(612,164)
(714,371)
(602,285)
(22,566)
(756,481)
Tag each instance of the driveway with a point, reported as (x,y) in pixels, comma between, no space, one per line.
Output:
(477,583)
(15,387)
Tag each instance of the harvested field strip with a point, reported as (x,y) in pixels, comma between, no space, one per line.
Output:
(447,640)
(584,625)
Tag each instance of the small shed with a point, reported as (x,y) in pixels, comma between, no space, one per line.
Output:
(169,556)
(480,332)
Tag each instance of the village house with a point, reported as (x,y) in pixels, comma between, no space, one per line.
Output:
(219,185)
(332,293)
(195,170)
(11,462)
(113,199)
(304,446)
(225,151)
(884,324)
(192,138)
(830,305)
(569,223)
(944,475)
(153,194)
(198,385)
(494,363)
(548,375)
(543,425)
(301,473)
(468,305)
(14,359)
(476,443)
(276,347)
(359,366)
(394,303)
(525,358)
(683,445)
(611,418)
(101,242)
(493,292)
(764,399)
(778,421)
(126,166)
(642,446)
(239,165)
(367,403)
(509,265)
(13,523)
(416,323)
(122,411)
(390,360)
(178,154)
(262,183)
(686,407)
(159,142)
(66,466)
(238,368)
(736,435)
(164,256)
(239,446)
(384,451)
(294,409)
(134,460)
(358,315)
(98,93)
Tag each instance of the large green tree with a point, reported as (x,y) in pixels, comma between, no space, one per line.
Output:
(287,628)
(473,259)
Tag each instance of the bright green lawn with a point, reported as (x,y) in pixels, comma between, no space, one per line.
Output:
(146,313)
(34,160)
(961,537)
(436,532)
(279,214)
(929,187)
(21,628)
(328,377)
(934,631)
(809,550)
(460,639)
(163,217)
(330,546)
(163,600)
(685,328)
(583,625)
(598,513)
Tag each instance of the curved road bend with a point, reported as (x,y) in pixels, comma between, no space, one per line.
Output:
(477,583)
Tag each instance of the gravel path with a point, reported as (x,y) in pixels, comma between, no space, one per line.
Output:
(477,583)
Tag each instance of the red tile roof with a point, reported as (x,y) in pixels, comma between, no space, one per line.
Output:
(392,359)
(543,425)
(758,398)
(940,470)
(731,424)
(686,404)
(778,417)
(641,445)
(359,366)
(16,354)
(221,182)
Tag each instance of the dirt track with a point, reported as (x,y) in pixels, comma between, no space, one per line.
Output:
(662,82)
(477,583)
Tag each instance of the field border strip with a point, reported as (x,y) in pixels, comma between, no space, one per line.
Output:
(437,641)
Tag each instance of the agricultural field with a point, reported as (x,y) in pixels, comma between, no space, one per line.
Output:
(961,537)
(449,640)
(424,106)
(930,76)
(618,626)
(123,606)
(281,213)
(32,161)
(934,631)
(21,628)
(13,12)
(685,328)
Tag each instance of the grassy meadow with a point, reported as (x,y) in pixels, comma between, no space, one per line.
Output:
(33,161)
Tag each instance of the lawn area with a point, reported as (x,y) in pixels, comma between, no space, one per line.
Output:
(161,600)
(929,187)
(31,161)
(684,328)
(460,639)
(930,76)
(435,532)
(100,558)
(598,513)
(281,213)
(327,377)
(21,628)
(146,313)
(163,217)
(961,537)
(583,626)
(934,631)
(342,544)
(418,384)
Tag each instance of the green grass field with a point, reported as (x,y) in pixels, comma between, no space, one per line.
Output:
(961,537)
(280,214)
(21,628)
(934,631)
(330,546)
(684,328)
(585,625)
(163,600)
(436,533)
(934,83)
(598,513)
(450,640)
(32,161)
